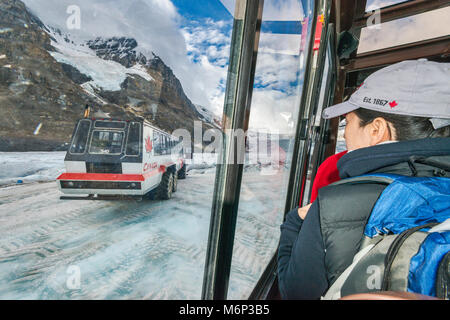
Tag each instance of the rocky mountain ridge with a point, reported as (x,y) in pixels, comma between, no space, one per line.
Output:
(46,79)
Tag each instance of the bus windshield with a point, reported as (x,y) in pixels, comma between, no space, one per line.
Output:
(81,136)
(106,142)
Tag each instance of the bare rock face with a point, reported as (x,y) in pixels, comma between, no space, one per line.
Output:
(33,86)
(38,91)
(121,50)
(165,91)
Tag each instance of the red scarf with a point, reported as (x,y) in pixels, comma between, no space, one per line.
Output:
(326,174)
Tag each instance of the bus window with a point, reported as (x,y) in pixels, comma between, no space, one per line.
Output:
(140,86)
(110,124)
(273,117)
(80,139)
(166,145)
(157,143)
(134,139)
(106,142)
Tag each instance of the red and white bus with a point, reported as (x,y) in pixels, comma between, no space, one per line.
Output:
(109,157)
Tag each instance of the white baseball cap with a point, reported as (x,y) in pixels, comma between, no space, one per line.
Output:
(418,88)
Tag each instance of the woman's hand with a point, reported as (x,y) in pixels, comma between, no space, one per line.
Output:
(303,211)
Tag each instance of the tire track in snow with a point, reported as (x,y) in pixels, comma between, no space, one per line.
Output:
(46,241)
(148,249)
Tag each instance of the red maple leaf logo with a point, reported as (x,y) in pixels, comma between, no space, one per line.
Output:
(148,144)
(393,104)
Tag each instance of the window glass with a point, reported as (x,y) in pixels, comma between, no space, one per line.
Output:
(81,135)
(323,99)
(164,62)
(134,139)
(277,88)
(166,145)
(427,25)
(110,124)
(378,4)
(324,93)
(157,143)
(106,142)
(340,141)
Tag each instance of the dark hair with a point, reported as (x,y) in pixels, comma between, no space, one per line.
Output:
(406,127)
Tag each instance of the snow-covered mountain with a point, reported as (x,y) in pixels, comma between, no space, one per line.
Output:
(208,116)
(47,77)
(98,67)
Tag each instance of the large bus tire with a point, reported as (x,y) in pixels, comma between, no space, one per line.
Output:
(165,189)
(182,173)
(175,183)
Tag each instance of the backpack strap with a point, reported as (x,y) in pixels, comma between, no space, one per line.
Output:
(381,178)
(381,265)
(389,253)
(334,292)
(443,278)
(393,251)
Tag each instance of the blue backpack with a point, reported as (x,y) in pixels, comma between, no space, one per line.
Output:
(406,244)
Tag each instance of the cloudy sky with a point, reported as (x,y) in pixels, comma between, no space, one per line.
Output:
(188,41)
(193,38)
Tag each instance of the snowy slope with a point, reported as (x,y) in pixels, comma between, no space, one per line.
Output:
(29,167)
(106,74)
(208,116)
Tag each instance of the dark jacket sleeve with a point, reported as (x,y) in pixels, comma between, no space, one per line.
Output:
(301,257)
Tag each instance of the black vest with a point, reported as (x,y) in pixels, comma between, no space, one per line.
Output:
(345,207)
(342,222)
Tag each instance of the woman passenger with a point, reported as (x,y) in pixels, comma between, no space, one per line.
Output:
(400,113)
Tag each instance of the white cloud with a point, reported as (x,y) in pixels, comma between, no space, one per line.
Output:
(283,10)
(276,94)
(280,43)
(208,44)
(274,10)
(273,111)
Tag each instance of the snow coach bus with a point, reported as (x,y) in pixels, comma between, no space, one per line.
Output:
(108,158)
